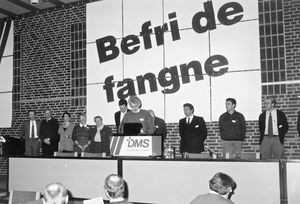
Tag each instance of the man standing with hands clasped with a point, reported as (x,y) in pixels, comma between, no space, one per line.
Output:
(193,132)
(49,134)
(273,126)
(232,128)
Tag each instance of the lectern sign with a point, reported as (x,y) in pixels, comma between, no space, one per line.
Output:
(141,146)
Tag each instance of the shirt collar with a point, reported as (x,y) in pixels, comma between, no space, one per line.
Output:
(213,192)
(116,200)
(191,117)
(85,125)
(272,111)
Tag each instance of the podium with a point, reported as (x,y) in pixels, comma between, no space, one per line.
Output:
(136,145)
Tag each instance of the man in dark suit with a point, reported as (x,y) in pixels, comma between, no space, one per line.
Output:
(49,134)
(273,126)
(120,114)
(222,187)
(160,124)
(30,132)
(192,130)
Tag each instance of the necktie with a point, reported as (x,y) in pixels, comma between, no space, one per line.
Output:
(188,120)
(270,126)
(32,130)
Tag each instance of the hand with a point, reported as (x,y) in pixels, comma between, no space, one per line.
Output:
(81,147)
(47,141)
(103,154)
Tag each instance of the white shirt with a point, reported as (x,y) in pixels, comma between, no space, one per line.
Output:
(122,115)
(35,129)
(98,135)
(274,122)
(190,117)
(81,125)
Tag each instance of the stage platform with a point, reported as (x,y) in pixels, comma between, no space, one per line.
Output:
(166,181)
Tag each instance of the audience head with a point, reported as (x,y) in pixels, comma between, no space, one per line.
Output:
(135,103)
(230,104)
(66,116)
(114,186)
(123,105)
(222,184)
(55,193)
(31,114)
(270,103)
(188,109)
(98,120)
(152,113)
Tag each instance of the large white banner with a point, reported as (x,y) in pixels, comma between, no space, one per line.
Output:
(6,78)
(171,52)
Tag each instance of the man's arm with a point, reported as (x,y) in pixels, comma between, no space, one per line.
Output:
(285,124)
(22,132)
(150,126)
(181,134)
(203,129)
(243,126)
(221,126)
(261,128)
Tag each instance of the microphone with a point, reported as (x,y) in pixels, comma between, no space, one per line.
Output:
(211,153)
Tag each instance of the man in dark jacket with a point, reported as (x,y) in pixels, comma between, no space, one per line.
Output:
(273,126)
(192,130)
(119,115)
(232,128)
(49,134)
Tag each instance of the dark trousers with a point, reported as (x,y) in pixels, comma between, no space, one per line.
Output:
(32,147)
(48,150)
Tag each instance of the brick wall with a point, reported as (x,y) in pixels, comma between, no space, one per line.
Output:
(43,50)
(44,71)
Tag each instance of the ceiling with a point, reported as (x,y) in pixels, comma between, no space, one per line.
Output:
(14,8)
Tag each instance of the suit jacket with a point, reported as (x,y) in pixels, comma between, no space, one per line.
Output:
(117,119)
(105,138)
(282,125)
(26,129)
(50,129)
(211,198)
(192,135)
(161,128)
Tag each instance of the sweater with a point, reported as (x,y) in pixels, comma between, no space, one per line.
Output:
(232,126)
(142,117)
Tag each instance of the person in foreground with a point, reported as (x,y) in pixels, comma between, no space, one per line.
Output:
(221,187)
(115,189)
(55,193)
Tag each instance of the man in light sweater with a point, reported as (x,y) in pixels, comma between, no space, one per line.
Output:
(232,128)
